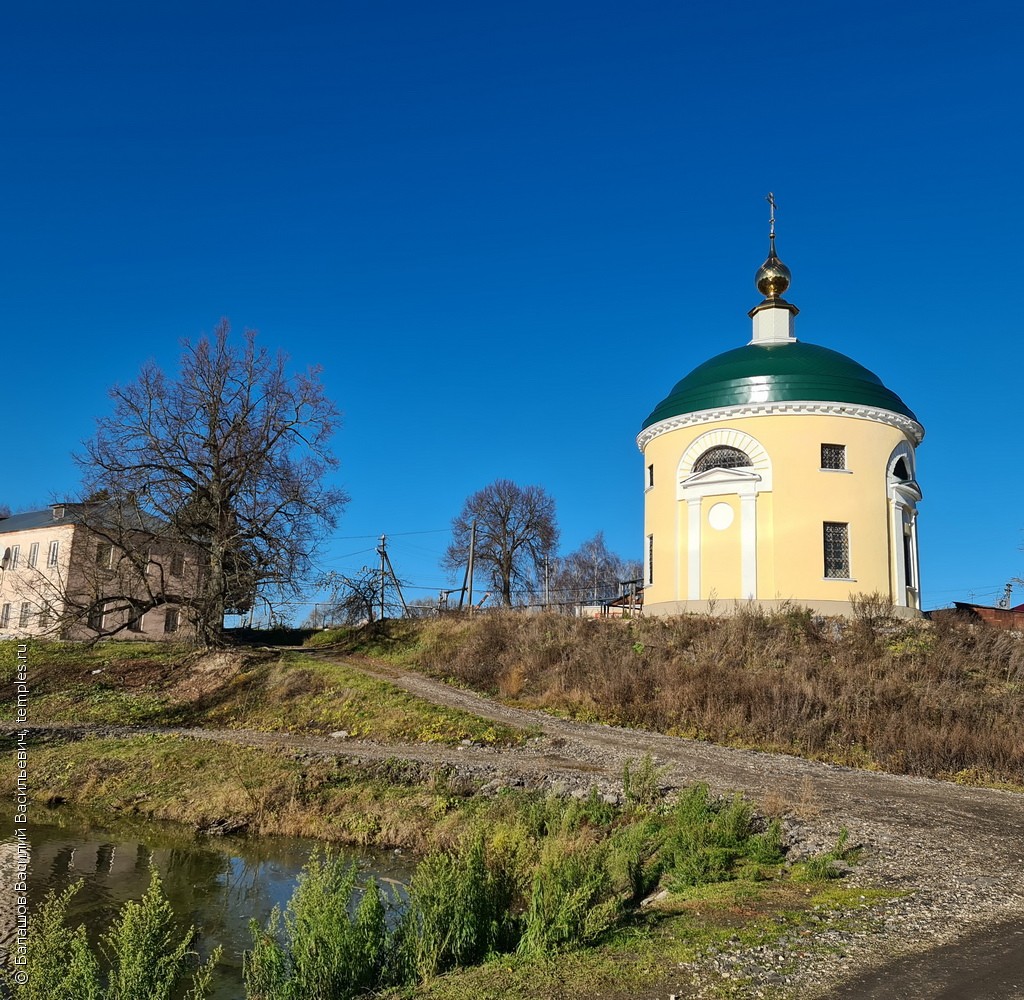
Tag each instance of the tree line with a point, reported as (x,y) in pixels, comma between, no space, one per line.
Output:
(209,488)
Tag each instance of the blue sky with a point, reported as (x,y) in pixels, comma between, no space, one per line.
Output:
(506,230)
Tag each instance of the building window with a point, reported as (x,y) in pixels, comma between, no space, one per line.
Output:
(833,456)
(722,457)
(837,550)
(172,619)
(95,619)
(177,563)
(135,620)
(104,555)
(650,476)
(51,554)
(26,615)
(5,616)
(15,556)
(45,615)
(33,555)
(650,559)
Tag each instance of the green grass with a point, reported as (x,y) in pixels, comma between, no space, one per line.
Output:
(394,640)
(150,684)
(69,655)
(306,694)
(86,704)
(647,955)
(390,804)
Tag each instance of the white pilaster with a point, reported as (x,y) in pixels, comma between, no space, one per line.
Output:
(748,544)
(899,554)
(693,528)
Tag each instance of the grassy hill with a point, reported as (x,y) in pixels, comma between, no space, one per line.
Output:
(941,699)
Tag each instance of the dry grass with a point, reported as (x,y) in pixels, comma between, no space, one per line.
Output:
(943,699)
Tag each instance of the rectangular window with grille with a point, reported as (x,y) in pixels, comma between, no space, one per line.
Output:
(5,616)
(171,621)
(26,615)
(15,556)
(177,563)
(833,456)
(33,555)
(837,550)
(96,617)
(51,553)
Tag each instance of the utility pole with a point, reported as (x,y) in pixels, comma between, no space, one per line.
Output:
(398,586)
(467,580)
(383,564)
(469,566)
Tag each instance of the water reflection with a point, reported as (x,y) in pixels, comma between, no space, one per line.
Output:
(217,884)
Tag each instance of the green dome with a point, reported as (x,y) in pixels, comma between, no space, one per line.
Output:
(775,373)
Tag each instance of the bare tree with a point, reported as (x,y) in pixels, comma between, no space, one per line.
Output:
(353,598)
(592,573)
(207,488)
(516,531)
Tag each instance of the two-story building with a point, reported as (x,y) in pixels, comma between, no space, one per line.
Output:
(63,576)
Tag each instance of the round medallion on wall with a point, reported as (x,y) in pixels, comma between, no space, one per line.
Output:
(720,516)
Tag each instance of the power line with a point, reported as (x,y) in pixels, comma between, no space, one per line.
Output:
(393,534)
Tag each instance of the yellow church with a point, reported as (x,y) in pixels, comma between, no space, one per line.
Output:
(780,472)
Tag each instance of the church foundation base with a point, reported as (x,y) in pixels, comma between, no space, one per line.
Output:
(839,609)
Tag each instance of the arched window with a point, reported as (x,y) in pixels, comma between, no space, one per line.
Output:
(722,457)
(899,470)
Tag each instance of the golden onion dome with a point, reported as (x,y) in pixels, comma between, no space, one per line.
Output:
(773,277)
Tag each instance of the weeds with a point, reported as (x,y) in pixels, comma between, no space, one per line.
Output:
(572,898)
(830,864)
(458,910)
(527,878)
(933,699)
(640,783)
(325,944)
(142,960)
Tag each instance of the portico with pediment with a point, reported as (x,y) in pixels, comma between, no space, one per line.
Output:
(719,479)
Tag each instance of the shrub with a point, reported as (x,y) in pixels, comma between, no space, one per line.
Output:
(640,781)
(634,861)
(459,910)
(321,950)
(710,841)
(572,899)
(144,959)
(61,965)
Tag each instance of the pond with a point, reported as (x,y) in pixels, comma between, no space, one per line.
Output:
(216,883)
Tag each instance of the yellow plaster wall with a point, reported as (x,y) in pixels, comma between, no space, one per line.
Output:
(720,551)
(789,518)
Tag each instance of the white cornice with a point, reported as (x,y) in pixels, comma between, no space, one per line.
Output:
(911,428)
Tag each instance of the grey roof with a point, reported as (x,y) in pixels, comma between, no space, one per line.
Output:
(73,515)
(40,519)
